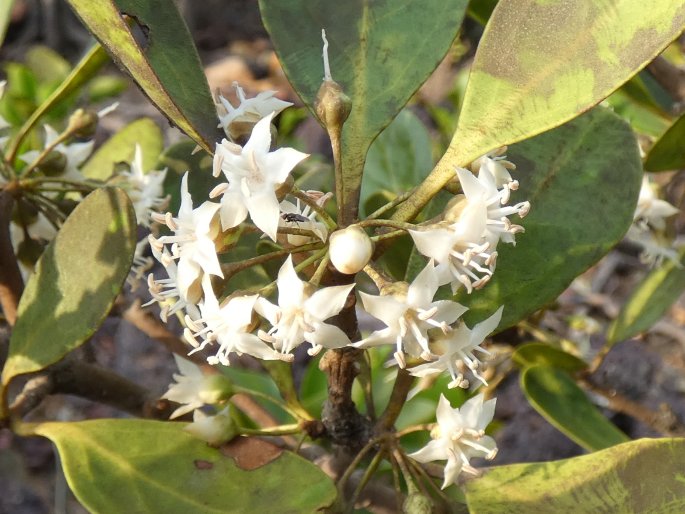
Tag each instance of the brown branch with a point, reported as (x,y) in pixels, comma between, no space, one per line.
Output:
(400,390)
(11,283)
(92,383)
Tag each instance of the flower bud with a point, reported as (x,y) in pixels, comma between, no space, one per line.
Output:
(214,430)
(350,249)
(332,105)
(216,388)
(83,123)
(417,503)
(54,164)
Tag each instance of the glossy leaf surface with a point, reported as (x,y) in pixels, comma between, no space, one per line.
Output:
(162,469)
(75,283)
(561,402)
(644,476)
(158,52)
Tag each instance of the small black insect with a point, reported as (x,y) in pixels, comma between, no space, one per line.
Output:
(291,217)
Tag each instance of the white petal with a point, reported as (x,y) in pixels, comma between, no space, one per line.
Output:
(260,139)
(280,163)
(448,311)
(290,287)
(238,311)
(328,301)
(264,211)
(328,336)
(422,290)
(434,450)
(386,308)
(452,470)
(486,327)
(233,209)
(473,189)
(267,310)
(435,244)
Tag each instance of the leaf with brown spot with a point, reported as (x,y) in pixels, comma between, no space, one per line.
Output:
(251,453)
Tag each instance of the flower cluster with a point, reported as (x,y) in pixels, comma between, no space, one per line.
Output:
(427,333)
(464,246)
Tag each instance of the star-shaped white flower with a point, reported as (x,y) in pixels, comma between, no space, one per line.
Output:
(166,290)
(651,210)
(193,240)
(250,110)
(75,154)
(193,389)
(409,315)
(462,255)
(253,173)
(498,166)
(228,326)
(144,189)
(459,436)
(140,264)
(458,350)
(301,312)
(484,189)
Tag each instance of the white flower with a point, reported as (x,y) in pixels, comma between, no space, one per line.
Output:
(75,154)
(215,430)
(165,290)
(484,189)
(144,189)
(193,241)
(253,175)
(250,110)
(409,315)
(300,314)
(651,210)
(654,249)
(295,216)
(193,388)
(228,326)
(498,166)
(459,347)
(461,254)
(459,436)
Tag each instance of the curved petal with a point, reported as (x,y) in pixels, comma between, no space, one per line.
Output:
(434,450)
(260,139)
(203,216)
(267,310)
(204,254)
(422,290)
(386,308)
(326,335)
(252,345)
(435,244)
(377,338)
(186,208)
(237,313)
(445,415)
(452,470)
(473,189)
(264,211)
(486,327)
(233,209)
(472,222)
(290,287)
(327,302)
(471,410)
(427,369)
(188,277)
(448,311)
(278,165)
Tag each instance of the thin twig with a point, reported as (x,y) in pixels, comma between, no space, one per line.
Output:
(11,282)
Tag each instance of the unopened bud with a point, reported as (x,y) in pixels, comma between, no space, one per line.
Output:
(214,430)
(333,106)
(83,123)
(350,249)
(216,389)
(53,164)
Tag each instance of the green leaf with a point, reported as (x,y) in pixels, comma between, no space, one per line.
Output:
(121,147)
(540,353)
(643,119)
(162,60)
(75,283)
(649,301)
(5,17)
(84,71)
(380,53)
(561,402)
(105,87)
(541,63)
(668,153)
(398,159)
(481,10)
(162,469)
(46,64)
(644,476)
(570,180)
